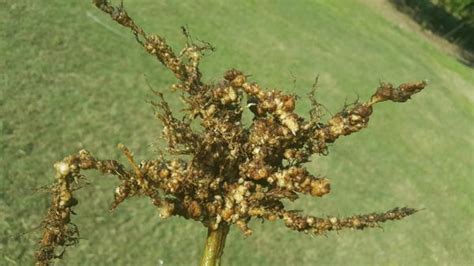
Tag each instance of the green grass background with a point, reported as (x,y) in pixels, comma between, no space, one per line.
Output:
(70,78)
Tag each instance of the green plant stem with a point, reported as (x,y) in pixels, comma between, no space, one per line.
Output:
(214,245)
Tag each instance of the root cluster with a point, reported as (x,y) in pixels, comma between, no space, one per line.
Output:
(233,172)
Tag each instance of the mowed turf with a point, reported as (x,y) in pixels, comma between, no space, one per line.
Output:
(70,78)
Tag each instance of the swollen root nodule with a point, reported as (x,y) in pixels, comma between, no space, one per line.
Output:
(232,173)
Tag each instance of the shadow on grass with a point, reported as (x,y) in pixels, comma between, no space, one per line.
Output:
(442,23)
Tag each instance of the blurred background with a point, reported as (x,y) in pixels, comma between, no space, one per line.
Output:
(70,78)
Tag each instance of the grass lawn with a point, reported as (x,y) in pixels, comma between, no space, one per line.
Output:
(70,78)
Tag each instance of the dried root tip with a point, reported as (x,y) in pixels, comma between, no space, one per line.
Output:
(353,119)
(153,44)
(323,225)
(117,13)
(100,3)
(386,92)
